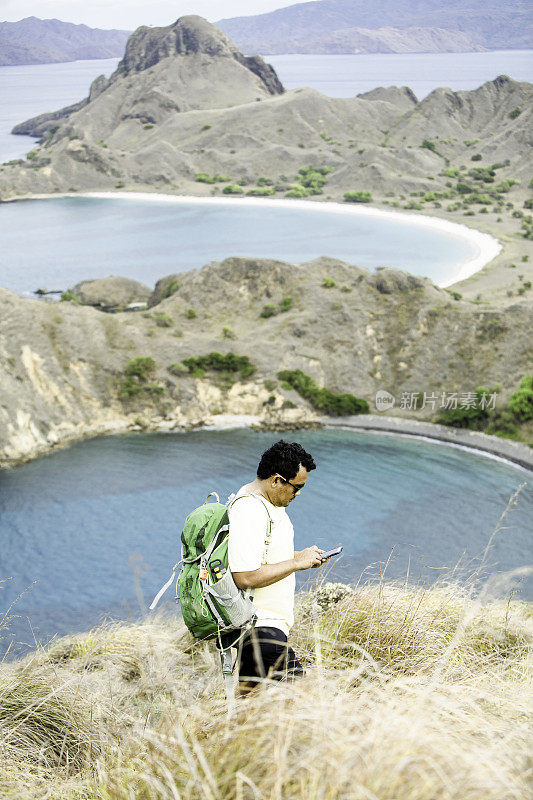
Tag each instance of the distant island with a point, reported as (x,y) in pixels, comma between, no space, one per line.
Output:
(402,26)
(49,41)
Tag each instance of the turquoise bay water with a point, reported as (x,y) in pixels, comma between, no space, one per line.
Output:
(87,522)
(56,243)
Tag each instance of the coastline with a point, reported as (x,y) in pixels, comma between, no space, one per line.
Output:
(507,450)
(487,246)
(516,454)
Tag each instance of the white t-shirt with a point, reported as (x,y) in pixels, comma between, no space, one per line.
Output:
(246,549)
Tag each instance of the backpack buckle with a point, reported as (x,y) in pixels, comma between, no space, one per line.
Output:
(203,574)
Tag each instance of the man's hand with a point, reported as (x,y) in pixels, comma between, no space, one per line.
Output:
(308,558)
(267,574)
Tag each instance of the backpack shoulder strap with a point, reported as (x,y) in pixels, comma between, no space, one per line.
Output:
(268,536)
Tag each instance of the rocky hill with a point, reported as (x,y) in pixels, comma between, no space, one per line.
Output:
(46,41)
(348,26)
(186,66)
(66,369)
(186,113)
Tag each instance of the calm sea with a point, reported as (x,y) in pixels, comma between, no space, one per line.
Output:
(56,243)
(26,91)
(91,522)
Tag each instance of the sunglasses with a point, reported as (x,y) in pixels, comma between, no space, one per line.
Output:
(296,486)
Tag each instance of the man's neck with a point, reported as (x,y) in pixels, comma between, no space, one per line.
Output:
(261,488)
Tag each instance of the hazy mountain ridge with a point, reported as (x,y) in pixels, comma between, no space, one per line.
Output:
(322,26)
(46,41)
(381,40)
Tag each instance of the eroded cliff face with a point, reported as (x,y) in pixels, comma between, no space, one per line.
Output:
(63,366)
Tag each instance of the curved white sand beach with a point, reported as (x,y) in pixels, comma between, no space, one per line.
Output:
(486,247)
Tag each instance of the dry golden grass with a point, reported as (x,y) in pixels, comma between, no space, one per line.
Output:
(412,693)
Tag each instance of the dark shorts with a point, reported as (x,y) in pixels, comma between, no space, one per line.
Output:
(265,653)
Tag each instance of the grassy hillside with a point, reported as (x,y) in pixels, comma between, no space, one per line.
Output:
(411,694)
(69,371)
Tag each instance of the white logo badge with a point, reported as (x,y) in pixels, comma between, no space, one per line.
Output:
(384,400)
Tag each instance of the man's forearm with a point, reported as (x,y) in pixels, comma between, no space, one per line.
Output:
(266,575)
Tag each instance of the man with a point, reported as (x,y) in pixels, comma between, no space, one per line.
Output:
(262,559)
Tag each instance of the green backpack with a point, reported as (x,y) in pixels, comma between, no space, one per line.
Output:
(210,601)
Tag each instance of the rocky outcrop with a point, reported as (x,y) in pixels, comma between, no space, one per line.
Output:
(191,35)
(42,124)
(184,66)
(109,294)
(63,366)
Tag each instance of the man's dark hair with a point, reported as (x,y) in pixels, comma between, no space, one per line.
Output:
(284,458)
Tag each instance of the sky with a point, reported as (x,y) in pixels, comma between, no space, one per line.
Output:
(129,14)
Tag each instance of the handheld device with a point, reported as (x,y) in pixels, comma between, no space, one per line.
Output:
(331,553)
(218,570)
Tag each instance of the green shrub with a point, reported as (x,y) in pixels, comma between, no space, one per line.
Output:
(429,145)
(220,363)
(527,284)
(163,321)
(177,368)
(171,288)
(473,418)
(70,296)
(477,157)
(227,333)
(297,191)
(322,399)
(265,182)
(135,381)
(148,126)
(528,203)
(269,310)
(32,155)
(233,188)
(261,191)
(270,385)
(203,177)
(313,178)
(345,289)
(454,294)
(521,402)
(190,313)
(515,112)
(328,283)
(503,424)
(101,142)
(285,304)
(140,367)
(357,197)
(206,127)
